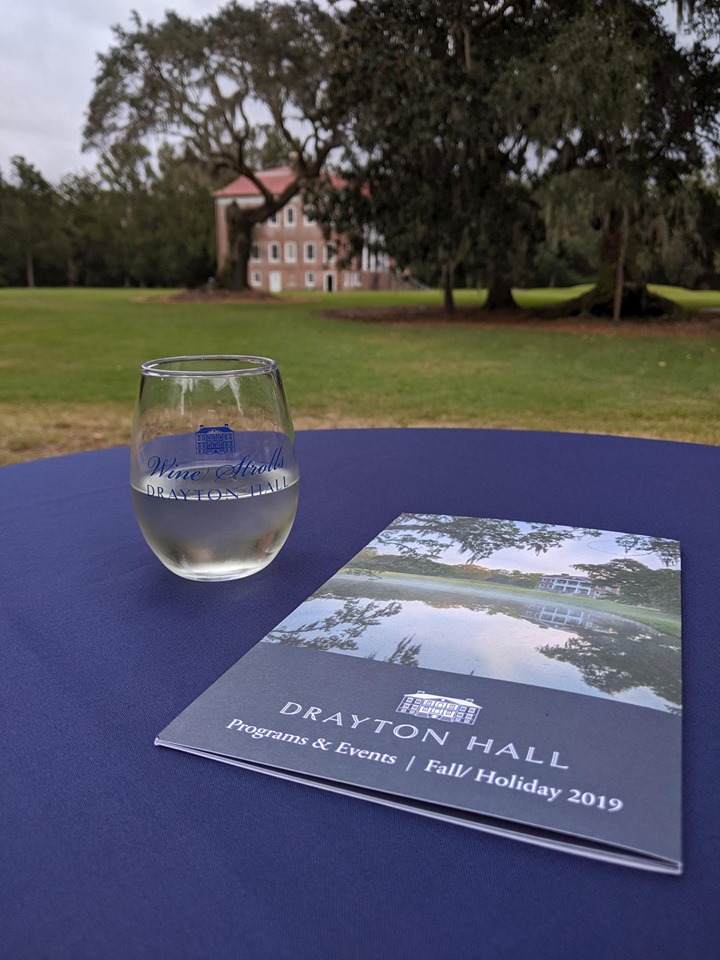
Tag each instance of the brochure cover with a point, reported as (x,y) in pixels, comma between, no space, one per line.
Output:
(520,678)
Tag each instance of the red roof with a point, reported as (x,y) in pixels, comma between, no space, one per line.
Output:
(276,180)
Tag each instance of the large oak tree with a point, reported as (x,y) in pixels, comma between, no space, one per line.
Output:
(221,87)
(433,168)
(622,112)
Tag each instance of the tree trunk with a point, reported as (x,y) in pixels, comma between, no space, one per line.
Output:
(30,269)
(448,285)
(613,255)
(620,290)
(234,273)
(499,284)
(240,260)
(500,295)
(620,268)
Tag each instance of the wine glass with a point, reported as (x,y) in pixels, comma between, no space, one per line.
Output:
(214,476)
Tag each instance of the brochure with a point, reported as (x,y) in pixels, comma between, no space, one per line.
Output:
(520,678)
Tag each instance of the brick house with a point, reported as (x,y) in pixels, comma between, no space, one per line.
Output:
(289,250)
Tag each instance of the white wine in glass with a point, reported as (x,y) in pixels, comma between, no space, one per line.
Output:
(214,475)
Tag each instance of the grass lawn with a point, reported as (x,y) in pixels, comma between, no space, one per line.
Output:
(69,366)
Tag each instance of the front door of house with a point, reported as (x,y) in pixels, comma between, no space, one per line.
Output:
(329,283)
(275,281)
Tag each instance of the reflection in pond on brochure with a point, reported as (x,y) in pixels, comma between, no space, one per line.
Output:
(531,639)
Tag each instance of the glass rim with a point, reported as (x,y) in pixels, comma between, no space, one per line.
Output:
(261,365)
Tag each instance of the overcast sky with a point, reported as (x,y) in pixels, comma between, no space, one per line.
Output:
(585,549)
(47,64)
(562,559)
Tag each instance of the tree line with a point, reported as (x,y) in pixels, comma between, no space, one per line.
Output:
(633,581)
(135,221)
(495,144)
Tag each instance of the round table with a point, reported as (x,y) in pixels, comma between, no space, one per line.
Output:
(115,849)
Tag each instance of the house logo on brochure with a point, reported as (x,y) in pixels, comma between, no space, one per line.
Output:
(434,707)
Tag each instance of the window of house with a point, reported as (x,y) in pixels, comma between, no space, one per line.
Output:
(273,219)
(290,252)
(255,251)
(275,252)
(310,253)
(256,279)
(290,216)
(307,221)
(330,253)
(310,281)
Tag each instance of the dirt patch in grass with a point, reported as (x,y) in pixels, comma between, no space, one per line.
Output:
(698,325)
(36,431)
(202,295)
(30,436)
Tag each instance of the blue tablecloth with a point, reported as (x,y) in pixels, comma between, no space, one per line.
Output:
(113,848)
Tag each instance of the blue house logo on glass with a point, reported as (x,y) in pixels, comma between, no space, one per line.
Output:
(434,707)
(214,440)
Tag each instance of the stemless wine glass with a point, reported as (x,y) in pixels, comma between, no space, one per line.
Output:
(214,476)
